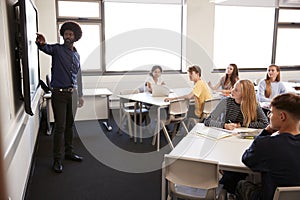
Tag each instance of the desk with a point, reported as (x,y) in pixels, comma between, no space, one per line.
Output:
(147,98)
(227,151)
(155,101)
(96,106)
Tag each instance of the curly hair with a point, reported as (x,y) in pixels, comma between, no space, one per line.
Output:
(73,26)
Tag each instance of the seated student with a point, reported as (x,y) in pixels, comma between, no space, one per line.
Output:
(200,91)
(275,154)
(154,78)
(227,81)
(241,109)
(271,86)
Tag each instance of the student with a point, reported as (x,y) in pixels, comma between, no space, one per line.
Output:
(66,84)
(154,78)
(239,110)
(275,151)
(227,81)
(271,86)
(200,91)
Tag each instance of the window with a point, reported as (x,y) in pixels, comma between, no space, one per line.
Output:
(88,15)
(245,40)
(140,35)
(288,40)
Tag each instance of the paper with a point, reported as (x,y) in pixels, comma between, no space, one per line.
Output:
(211,132)
(245,130)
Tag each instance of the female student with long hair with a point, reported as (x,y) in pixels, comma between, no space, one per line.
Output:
(271,86)
(154,78)
(227,81)
(239,110)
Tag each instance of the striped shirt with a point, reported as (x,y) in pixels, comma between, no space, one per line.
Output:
(229,111)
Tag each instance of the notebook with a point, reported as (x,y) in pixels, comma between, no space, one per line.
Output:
(160,90)
(211,132)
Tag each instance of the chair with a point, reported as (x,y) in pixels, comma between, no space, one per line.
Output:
(290,193)
(209,106)
(189,178)
(177,113)
(128,109)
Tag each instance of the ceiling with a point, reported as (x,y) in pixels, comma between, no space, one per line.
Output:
(259,3)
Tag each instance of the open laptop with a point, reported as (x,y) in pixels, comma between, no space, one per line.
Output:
(160,91)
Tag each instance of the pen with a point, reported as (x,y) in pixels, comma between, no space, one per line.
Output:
(229,121)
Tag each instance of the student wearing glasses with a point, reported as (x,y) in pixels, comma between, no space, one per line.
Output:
(275,151)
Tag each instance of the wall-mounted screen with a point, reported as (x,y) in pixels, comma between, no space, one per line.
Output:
(27,56)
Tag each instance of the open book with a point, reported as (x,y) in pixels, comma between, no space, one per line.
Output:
(211,132)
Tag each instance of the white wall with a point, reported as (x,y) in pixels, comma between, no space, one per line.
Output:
(18,131)
(47,26)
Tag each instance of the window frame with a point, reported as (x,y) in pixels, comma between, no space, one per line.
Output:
(86,20)
(277,25)
(101,21)
(282,25)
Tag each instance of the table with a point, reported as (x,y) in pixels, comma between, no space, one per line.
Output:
(155,101)
(95,102)
(227,151)
(146,98)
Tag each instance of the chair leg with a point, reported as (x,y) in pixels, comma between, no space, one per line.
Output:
(167,136)
(122,116)
(175,130)
(154,139)
(156,132)
(129,126)
(185,128)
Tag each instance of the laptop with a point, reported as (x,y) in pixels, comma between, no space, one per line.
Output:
(160,91)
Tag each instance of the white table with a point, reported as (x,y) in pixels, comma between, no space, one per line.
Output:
(227,151)
(155,101)
(146,98)
(96,106)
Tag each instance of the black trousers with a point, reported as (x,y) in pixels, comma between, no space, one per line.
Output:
(230,180)
(64,106)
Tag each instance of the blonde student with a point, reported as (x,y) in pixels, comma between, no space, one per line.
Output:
(240,109)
